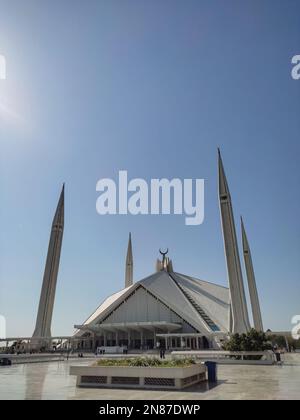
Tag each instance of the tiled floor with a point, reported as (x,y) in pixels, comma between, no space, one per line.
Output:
(52,381)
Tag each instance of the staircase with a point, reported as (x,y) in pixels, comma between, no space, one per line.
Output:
(210,323)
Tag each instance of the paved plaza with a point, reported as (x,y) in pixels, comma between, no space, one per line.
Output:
(51,380)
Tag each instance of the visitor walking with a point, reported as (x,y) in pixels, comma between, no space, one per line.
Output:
(162,351)
(277,352)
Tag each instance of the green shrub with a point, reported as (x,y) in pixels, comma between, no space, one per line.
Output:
(146,362)
(251,341)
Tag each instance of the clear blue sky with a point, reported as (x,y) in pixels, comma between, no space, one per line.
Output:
(152,87)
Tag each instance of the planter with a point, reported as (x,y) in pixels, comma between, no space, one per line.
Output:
(138,377)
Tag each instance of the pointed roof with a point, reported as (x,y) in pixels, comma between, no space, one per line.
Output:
(203,305)
(106,304)
(211,300)
(129,259)
(223,185)
(244,238)
(162,285)
(256,312)
(59,213)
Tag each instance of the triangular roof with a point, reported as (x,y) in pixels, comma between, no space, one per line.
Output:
(203,305)
(213,299)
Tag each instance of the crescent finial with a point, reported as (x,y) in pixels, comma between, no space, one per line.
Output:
(163,253)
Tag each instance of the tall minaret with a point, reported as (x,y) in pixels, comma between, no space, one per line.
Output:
(44,316)
(129,265)
(257,319)
(240,319)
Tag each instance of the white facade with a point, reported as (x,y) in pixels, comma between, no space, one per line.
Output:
(163,303)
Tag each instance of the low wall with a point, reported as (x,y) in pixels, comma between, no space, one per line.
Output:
(229,357)
(32,358)
(139,377)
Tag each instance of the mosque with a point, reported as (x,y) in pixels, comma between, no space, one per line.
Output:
(176,310)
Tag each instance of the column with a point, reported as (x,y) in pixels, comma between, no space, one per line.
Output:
(128,337)
(236,286)
(257,319)
(142,339)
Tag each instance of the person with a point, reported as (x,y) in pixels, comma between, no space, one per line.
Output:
(162,351)
(276,350)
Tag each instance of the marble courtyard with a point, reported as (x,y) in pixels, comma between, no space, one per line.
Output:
(52,381)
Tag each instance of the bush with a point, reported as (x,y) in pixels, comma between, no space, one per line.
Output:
(251,341)
(146,362)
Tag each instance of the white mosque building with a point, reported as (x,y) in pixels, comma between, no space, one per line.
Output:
(177,310)
(180,310)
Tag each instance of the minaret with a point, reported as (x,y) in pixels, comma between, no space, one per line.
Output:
(240,319)
(44,316)
(129,265)
(257,319)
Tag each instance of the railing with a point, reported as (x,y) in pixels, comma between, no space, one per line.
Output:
(227,357)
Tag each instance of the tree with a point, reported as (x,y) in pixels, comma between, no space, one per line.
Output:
(251,341)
